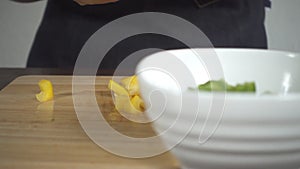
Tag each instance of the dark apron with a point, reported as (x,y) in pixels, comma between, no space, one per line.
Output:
(66,26)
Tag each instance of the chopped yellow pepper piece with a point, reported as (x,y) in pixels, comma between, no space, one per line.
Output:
(123,104)
(116,88)
(131,84)
(46,93)
(127,97)
(137,103)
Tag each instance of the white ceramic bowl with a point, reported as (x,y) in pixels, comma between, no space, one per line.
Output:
(225,130)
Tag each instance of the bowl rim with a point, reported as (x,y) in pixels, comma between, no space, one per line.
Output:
(294,53)
(242,96)
(238,95)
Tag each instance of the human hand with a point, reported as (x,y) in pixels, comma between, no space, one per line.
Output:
(94,2)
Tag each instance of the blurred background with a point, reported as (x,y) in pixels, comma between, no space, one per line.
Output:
(19,23)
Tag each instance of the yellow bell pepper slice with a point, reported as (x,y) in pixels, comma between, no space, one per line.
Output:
(117,89)
(122,103)
(127,97)
(46,93)
(137,103)
(131,84)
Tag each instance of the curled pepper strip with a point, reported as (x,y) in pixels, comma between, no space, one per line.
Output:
(126,95)
(46,93)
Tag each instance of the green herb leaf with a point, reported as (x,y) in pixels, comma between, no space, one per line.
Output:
(221,85)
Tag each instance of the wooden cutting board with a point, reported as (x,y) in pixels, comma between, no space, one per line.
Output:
(48,135)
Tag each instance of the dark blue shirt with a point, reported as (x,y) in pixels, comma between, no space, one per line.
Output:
(66,26)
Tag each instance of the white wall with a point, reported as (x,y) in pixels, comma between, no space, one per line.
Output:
(283,25)
(18,25)
(19,22)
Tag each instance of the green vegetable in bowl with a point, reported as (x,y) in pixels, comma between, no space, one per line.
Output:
(221,85)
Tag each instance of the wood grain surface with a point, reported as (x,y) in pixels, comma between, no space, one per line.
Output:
(48,135)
